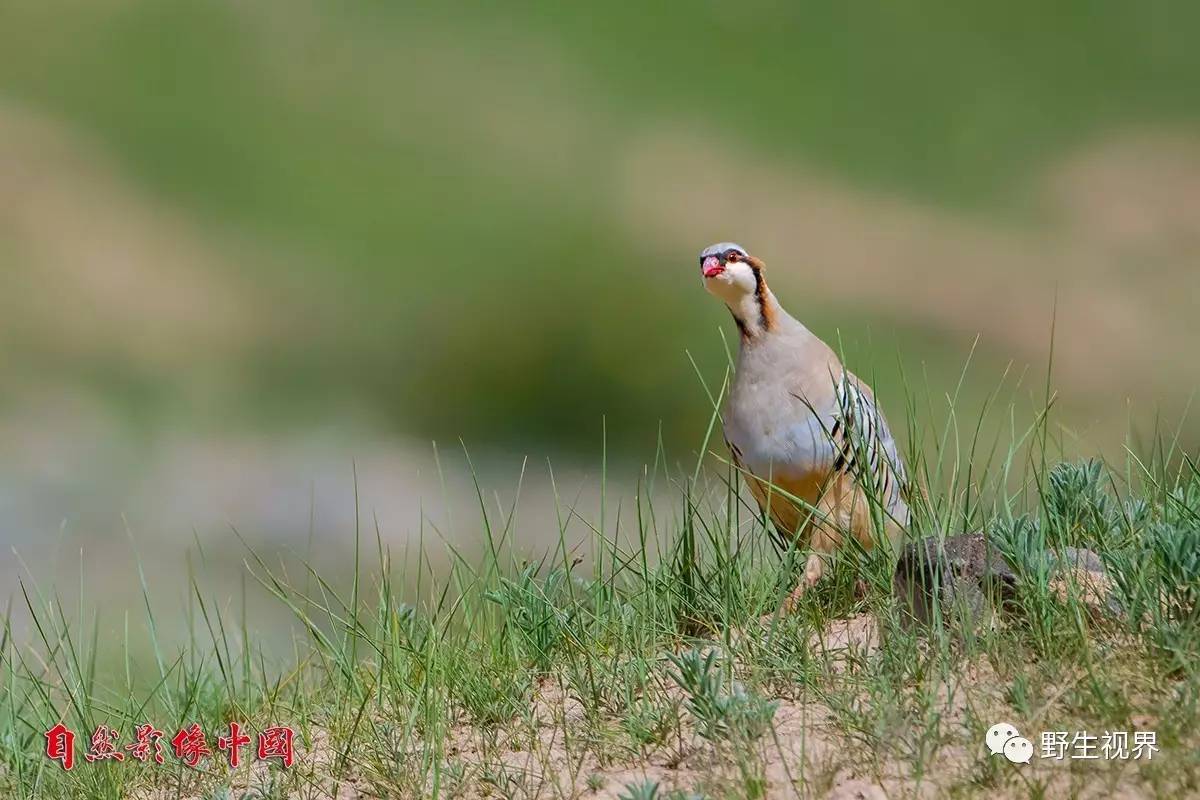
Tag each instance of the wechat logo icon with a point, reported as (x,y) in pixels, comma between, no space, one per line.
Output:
(1003,739)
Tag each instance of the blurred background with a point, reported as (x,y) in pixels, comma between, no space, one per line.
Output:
(251,247)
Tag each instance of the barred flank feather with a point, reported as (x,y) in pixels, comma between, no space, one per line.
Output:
(858,433)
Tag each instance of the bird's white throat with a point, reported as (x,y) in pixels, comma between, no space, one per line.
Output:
(756,313)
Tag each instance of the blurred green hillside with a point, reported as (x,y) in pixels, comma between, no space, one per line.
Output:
(481,220)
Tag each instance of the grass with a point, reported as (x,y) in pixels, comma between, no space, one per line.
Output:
(622,662)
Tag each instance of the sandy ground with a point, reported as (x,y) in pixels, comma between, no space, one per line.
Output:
(808,753)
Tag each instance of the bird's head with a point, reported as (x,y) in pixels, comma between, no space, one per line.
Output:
(729,271)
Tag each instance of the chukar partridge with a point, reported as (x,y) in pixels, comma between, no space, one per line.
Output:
(804,432)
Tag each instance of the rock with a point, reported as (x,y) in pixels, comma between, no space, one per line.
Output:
(1080,558)
(964,572)
(972,580)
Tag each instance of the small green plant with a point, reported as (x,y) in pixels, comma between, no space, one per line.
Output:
(721,715)
(646,790)
(1079,509)
(1157,584)
(492,694)
(531,610)
(1023,543)
(648,723)
(454,774)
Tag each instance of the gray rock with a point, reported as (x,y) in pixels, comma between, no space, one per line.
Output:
(967,577)
(1079,558)
(963,574)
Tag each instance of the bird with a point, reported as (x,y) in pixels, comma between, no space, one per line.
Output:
(804,432)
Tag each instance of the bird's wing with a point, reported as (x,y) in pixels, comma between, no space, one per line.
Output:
(866,449)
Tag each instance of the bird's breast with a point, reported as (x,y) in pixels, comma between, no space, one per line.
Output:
(777,438)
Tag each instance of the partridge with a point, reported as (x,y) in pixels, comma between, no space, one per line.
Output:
(803,431)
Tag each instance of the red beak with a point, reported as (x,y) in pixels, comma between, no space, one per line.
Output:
(712,267)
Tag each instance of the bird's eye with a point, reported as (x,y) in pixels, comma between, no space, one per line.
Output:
(733,257)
